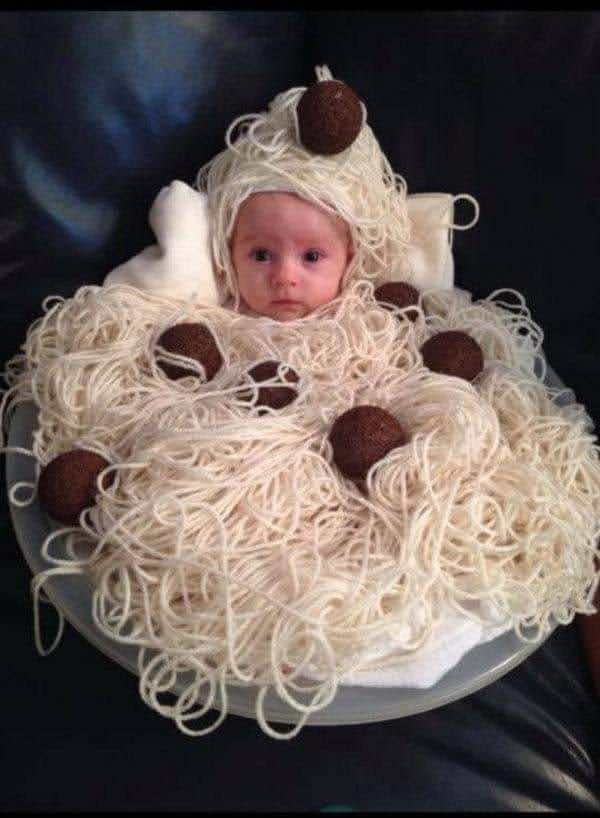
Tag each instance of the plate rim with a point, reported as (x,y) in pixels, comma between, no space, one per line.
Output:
(393,710)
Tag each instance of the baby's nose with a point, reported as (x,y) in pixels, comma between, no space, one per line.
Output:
(285,272)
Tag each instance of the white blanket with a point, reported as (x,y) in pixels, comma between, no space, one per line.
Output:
(454,636)
(179,264)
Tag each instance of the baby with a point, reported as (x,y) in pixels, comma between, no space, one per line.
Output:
(288,254)
(275,228)
(292,224)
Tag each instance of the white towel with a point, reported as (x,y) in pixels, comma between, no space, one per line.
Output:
(454,636)
(179,265)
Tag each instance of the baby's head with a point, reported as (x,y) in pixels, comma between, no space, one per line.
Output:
(289,255)
(291,227)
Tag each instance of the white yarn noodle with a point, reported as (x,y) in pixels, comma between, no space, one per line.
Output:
(231,550)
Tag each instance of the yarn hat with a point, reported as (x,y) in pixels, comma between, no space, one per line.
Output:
(314,142)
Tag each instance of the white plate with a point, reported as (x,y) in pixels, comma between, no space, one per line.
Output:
(352,705)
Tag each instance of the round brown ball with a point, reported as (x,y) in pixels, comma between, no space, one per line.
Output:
(194,341)
(329,117)
(362,436)
(67,484)
(274,396)
(401,294)
(453,353)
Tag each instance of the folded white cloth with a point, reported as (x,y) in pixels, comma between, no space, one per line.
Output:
(453,637)
(179,264)
(430,254)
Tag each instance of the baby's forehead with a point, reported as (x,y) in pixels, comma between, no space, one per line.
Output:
(274,212)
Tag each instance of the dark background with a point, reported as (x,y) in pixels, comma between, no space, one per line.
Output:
(99,110)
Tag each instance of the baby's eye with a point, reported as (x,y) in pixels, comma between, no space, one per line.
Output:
(312,255)
(261,254)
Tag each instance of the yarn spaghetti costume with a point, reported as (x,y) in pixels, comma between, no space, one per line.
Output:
(225,537)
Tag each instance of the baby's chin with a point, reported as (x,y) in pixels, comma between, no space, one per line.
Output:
(289,313)
(285,312)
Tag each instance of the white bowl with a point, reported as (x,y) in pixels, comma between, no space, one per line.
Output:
(352,704)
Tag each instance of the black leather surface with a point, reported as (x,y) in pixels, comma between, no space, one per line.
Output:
(100,110)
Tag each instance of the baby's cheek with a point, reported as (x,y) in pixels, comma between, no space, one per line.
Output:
(245,279)
(331,287)
(324,293)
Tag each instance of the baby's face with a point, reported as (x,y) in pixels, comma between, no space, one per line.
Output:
(289,255)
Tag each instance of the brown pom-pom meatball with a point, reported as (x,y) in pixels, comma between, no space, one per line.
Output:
(362,436)
(453,353)
(194,341)
(329,117)
(274,396)
(401,294)
(67,484)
